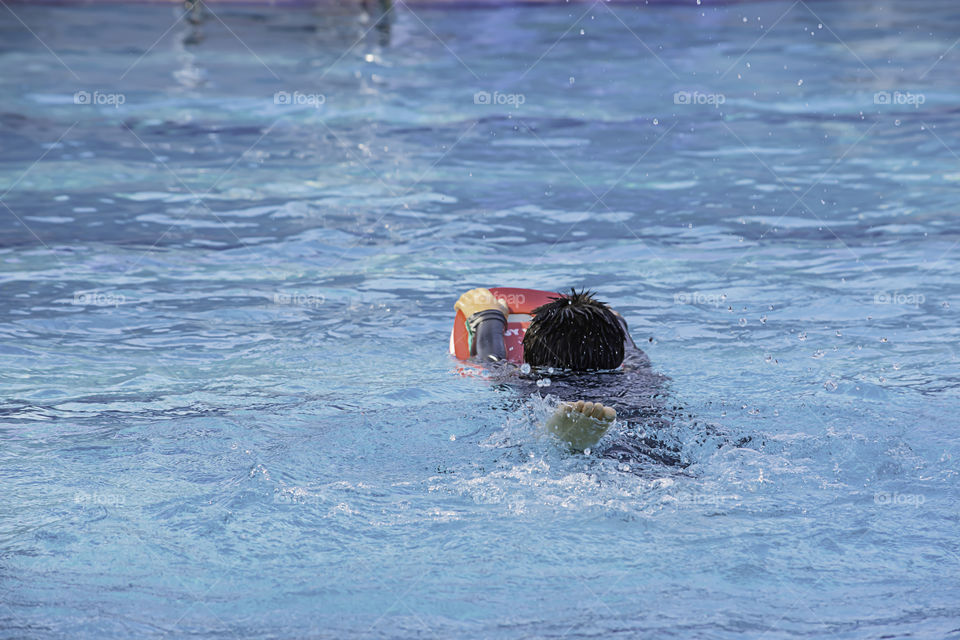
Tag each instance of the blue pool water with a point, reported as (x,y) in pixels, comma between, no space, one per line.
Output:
(230,250)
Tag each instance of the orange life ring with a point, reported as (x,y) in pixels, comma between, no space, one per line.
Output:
(521,303)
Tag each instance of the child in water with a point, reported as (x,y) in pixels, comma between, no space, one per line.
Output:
(587,341)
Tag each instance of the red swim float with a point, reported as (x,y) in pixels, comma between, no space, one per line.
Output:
(521,303)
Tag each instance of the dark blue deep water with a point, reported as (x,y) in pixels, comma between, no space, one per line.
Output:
(229,249)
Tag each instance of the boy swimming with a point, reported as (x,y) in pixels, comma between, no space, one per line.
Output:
(599,369)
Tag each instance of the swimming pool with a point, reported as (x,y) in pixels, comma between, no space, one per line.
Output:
(230,252)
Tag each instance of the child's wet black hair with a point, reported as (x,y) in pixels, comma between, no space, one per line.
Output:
(574,332)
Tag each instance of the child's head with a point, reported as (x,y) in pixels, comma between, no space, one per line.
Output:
(575,332)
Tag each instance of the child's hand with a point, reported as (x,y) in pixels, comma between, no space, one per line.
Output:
(479,299)
(581,424)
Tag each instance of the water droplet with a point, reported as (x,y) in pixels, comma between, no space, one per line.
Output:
(525,368)
(800,82)
(656,122)
(572,80)
(586,451)
(582,32)
(550,370)
(742,322)
(453,438)
(896,123)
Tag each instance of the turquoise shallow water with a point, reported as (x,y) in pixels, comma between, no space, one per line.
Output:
(228,261)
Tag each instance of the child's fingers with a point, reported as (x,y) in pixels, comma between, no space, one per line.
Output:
(590,409)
